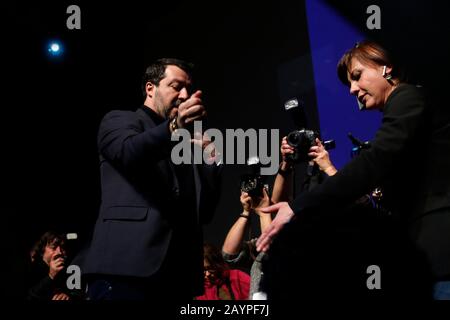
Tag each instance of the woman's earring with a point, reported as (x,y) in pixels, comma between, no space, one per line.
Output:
(386,76)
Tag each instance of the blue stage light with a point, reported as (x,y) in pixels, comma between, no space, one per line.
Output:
(55,48)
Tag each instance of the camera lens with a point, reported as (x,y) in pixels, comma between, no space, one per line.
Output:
(301,140)
(293,139)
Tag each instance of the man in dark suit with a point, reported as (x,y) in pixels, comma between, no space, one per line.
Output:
(147,242)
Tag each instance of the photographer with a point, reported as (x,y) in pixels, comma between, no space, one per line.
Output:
(318,157)
(47,276)
(238,252)
(235,250)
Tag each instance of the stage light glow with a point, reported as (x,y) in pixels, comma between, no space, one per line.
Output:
(55,48)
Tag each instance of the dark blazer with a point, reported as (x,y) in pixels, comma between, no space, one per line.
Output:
(139,209)
(410,159)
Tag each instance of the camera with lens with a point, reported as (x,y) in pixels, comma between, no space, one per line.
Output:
(252,182)
(302,140)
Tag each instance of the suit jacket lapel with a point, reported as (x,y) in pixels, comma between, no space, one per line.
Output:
(165,166)
(198,188)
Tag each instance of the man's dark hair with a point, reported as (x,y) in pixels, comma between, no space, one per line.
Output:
(47,238)
(156,71)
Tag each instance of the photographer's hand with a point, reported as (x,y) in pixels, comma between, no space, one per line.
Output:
(261,202)
(321,156)
(246,202)
(285,150)
(284,181)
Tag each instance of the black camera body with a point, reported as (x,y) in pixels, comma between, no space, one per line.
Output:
(252,182)
(253,185)
(302,140)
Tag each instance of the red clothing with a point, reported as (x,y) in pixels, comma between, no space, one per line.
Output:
(239,282)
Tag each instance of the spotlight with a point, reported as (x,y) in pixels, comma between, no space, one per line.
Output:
(55,48)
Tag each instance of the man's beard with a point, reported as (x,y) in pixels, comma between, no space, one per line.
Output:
(162,109)
(175,104)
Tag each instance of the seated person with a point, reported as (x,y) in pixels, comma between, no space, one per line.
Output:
(221,282)
(47,277)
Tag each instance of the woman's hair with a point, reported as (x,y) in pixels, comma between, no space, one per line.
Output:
(369,53)
(47,238)
(215,260)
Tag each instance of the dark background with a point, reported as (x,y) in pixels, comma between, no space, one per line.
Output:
(51,107)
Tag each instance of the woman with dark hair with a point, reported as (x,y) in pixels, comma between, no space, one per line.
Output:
(221,282)
(409,159)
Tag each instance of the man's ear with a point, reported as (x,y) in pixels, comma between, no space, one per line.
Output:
(149,88)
